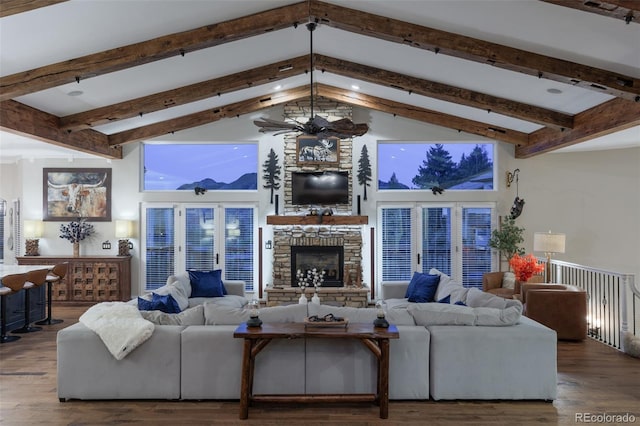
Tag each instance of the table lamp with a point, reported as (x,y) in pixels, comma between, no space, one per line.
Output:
(549,243)
(33,230)
(124,232)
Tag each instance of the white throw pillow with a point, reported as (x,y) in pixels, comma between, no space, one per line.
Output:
(183,280)
(477,298)
(176,291)
(509,280)
(441,314)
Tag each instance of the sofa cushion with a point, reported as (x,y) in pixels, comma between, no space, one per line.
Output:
(207,283)
(498,317)
(225,315)
(477,298)
(182,280)
(441,314)
(422,287)
(191,316)
(366,315)
(231,300)
(164,303)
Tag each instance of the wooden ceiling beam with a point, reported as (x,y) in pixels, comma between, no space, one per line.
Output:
(624,10)
(423,114)
(13,7)
(208,116)
(609,117)
(472,49)
(445,92)
(21,119)
(184,95)
(164,47)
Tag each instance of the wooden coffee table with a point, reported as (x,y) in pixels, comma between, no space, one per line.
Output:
(257,338)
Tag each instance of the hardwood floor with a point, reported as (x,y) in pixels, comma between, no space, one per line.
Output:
(592,378)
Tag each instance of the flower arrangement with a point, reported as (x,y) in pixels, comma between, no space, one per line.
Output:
(310,278)
(76,230)
(525,266)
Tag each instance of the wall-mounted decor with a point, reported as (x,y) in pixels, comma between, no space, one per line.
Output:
(364,170)
(316,150)
(271,175)
(69,193)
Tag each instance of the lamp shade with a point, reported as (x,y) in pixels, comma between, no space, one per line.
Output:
(33,228)
(124,228)
(548,242)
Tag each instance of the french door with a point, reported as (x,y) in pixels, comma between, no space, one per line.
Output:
(452,238)
(178,237)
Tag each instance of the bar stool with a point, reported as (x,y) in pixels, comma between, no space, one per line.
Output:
(12,284)
(34,279)
(56,275)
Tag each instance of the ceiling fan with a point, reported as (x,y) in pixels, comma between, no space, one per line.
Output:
(316,125)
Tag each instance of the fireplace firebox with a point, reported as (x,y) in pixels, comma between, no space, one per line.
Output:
(329,259)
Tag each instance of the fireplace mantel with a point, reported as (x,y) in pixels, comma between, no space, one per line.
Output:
(317,220)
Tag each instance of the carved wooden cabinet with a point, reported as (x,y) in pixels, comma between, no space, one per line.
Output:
(89,278)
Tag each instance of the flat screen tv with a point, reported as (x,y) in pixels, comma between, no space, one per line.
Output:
(320,188)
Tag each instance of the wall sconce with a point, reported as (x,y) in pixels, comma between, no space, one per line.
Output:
(268,245)
(124,231)
(549,244)
(511,176)
(33,230)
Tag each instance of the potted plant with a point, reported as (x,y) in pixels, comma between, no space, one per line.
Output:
(505,239)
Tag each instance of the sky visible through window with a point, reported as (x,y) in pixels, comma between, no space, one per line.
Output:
(405,159)
(183,166)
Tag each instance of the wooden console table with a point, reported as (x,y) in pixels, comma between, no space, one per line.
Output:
(89,278)
(257,338)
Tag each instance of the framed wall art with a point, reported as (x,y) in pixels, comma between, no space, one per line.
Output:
(70,193)
(315,150)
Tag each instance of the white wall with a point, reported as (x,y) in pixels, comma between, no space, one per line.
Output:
(593,197)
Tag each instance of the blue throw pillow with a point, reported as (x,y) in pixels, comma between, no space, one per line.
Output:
(424,288)
(207,283)
(445,299)
(166,304)
(461,303)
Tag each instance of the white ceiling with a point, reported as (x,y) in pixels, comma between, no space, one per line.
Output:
(71,29)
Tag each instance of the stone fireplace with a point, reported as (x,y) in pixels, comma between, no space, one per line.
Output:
(334,244)
(327,259)
(321,240)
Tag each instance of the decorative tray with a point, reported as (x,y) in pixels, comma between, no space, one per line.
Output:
(329,322)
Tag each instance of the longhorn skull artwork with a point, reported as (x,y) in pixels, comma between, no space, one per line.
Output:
(77,194)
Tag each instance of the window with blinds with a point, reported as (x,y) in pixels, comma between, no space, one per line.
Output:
(207,237)
(476,253)
(159,246)
(238,244)
(436,239)
(396,244)
(453,239)
(200,238)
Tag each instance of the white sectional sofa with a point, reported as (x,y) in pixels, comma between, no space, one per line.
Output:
(200,358)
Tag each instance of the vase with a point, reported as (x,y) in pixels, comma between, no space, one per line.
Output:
(315,299)
(303,298)
(76,249)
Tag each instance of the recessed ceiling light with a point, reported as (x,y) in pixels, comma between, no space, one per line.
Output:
(355,87)
(554,91)
(75,93)
(278,87)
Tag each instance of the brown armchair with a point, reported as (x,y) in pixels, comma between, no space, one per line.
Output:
(492,283)
(560,307)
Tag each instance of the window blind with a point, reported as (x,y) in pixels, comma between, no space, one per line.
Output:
(160,246)
(200,238)
(436,239)
(396,244)
(476,253)
(239,245)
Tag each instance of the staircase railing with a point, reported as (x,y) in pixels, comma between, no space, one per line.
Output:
(613,306)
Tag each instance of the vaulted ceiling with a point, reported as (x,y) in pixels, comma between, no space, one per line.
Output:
(542,75)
